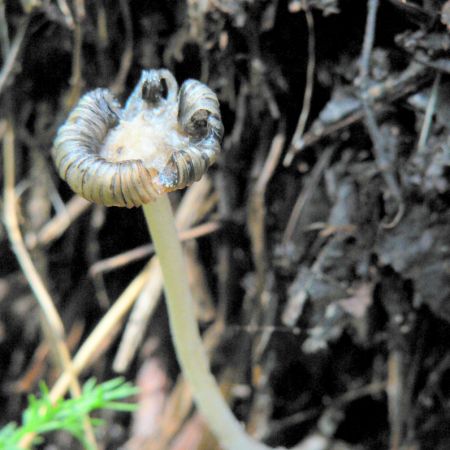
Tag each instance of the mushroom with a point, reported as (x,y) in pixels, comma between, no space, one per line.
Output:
(162,140)
(159,142)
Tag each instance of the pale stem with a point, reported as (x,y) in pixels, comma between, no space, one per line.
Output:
(185,334)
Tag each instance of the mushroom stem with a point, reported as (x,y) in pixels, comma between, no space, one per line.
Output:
(185,334)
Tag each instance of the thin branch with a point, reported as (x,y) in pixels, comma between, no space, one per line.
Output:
(306,193)
(428,119)
(4,34)
(143,251)
(58,224)
(64,8)
(13,53)
(127,56)
(54,326)
(387,91)
(296,142)
(378,141)
(256,215)
(136,326)
(76,79)
(101,338)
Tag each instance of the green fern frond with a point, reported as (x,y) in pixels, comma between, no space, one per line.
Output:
(42,416)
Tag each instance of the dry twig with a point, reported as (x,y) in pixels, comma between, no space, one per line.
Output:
(127,56)
(100,339)
(53,326)
(428,119)
(256,219)
(392,89)
(58,224)
(380,146)
(143,251)
(11,58)
(296,143)
(306,193)
(76,79)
